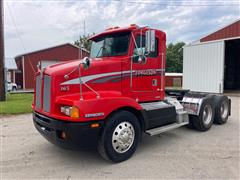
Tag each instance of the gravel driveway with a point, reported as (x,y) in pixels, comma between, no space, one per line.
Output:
(179,154)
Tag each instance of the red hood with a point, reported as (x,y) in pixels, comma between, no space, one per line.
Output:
(65,76)
(98,79)
(97,66)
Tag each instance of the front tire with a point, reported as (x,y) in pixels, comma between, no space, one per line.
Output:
(120,137)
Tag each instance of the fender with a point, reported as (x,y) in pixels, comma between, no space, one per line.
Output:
(93,108)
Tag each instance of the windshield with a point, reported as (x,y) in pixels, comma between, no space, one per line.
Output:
(110,45)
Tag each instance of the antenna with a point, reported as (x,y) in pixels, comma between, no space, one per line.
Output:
(84,35)
(84,28)
(80,46)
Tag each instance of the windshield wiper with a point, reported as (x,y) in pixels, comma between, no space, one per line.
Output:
(101,48)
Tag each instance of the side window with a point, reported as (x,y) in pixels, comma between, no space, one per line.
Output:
(141,48)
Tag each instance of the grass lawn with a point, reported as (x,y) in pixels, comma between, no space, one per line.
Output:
(16,104)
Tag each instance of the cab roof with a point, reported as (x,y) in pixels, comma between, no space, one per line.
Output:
(117,29)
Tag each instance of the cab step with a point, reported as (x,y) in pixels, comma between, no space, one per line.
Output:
(159,130)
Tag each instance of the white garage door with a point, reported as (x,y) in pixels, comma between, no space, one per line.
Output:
(45,63)
(203,67)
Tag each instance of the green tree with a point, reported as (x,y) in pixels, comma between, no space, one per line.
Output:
(84,42)
(175,57)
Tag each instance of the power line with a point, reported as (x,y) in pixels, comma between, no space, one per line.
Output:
(113,0)
(183,3)
(153,3)
(19,36)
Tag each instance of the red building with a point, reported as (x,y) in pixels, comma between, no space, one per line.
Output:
(173,79)
(27,63)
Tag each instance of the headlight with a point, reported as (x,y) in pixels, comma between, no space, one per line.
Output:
(71,111)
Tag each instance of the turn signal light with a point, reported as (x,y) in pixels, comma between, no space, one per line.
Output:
(95,125)
(74,112)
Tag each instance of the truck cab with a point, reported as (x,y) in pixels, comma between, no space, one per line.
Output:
(107,100)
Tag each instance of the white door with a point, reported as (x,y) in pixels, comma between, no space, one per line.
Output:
(45,63)
(8,76)
(203,67)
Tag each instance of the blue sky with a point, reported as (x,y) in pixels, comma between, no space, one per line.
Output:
(35,24)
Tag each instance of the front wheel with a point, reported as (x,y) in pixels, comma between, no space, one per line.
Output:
(120,137)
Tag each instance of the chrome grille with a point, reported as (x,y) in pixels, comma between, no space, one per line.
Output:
(46,93)
(38,91)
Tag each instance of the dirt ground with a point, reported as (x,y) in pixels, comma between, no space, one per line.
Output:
(179,154)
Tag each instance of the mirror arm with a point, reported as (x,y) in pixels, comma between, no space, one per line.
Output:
(134,40)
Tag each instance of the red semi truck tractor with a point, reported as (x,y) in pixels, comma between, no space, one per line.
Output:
(108,100)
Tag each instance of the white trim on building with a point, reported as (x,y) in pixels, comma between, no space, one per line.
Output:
(23,72)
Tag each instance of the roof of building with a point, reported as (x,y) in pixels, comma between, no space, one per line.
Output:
(51,48)
(205,37)
(10,63)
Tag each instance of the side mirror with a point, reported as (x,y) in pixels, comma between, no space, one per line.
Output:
(150,41)
(142,59)
(86,62)
(39,66)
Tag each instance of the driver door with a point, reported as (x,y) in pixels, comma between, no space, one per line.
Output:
(144,77)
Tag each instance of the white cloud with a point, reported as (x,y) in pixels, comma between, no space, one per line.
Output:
(45,23)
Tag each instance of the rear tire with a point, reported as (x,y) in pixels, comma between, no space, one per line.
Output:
(190,124)
(204,120)
(120,137)
(222,109)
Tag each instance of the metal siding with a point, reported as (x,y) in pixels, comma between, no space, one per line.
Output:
(203,67)
(46,93)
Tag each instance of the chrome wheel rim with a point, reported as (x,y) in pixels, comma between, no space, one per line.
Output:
(123,137)
(207,114)
(224,110)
